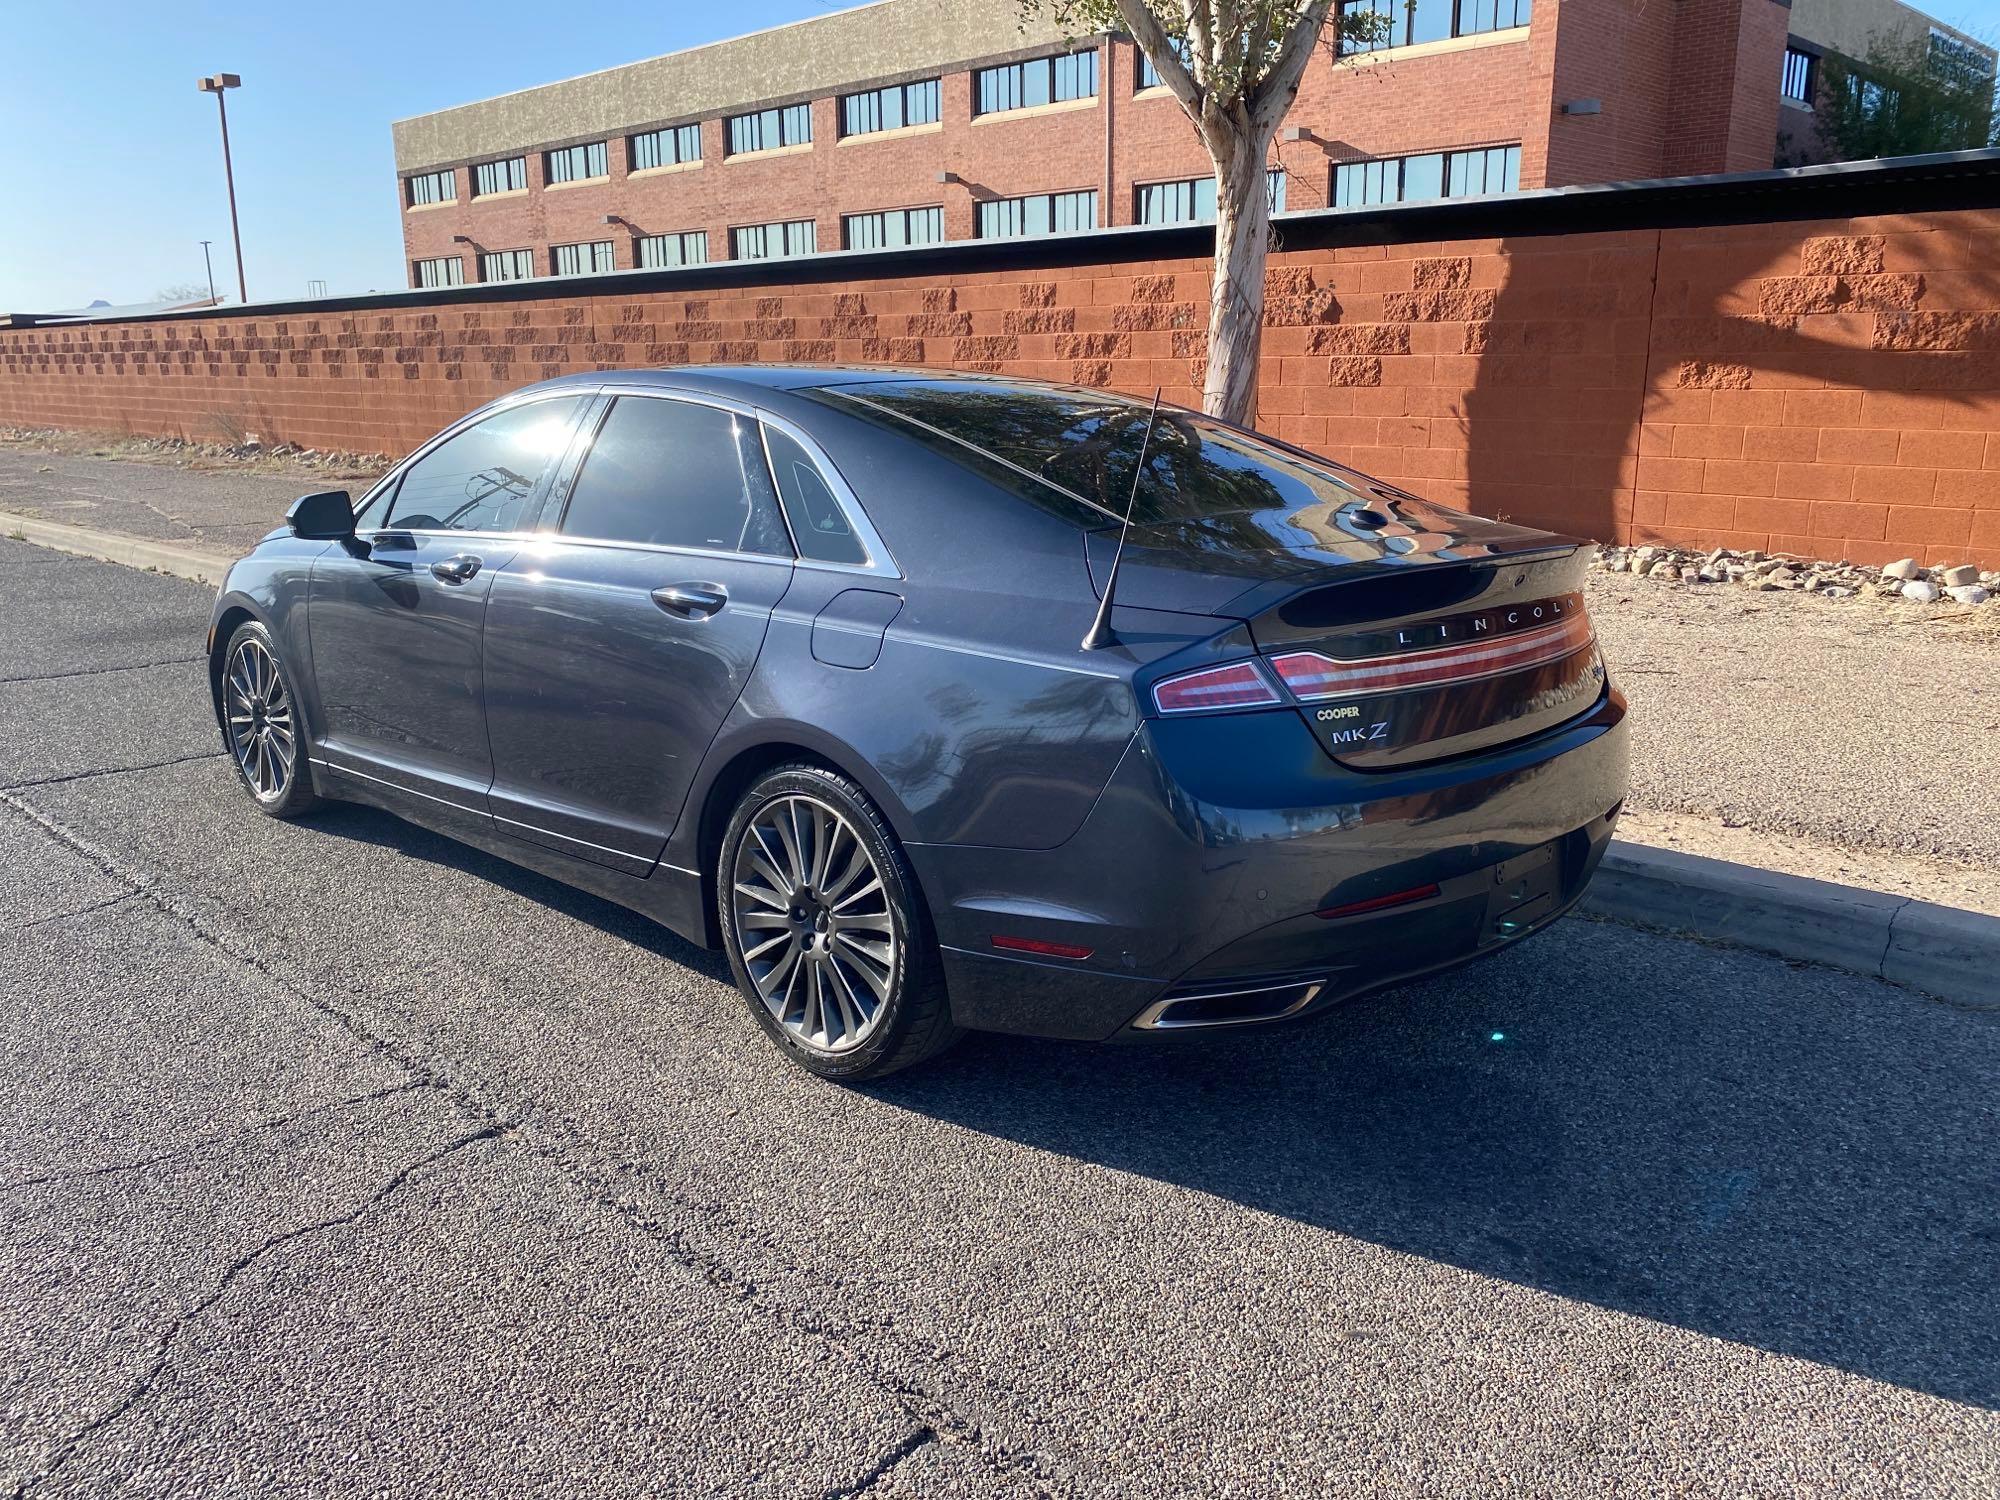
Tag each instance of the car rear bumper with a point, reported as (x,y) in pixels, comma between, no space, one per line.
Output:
(1203,867)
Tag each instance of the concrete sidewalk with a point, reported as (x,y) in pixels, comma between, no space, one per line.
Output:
(217,513)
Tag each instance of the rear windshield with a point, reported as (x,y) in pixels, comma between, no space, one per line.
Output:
(1083,444)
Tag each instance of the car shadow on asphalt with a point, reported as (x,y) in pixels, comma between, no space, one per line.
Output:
(369,825)
(1790,1170)
(1756,1177)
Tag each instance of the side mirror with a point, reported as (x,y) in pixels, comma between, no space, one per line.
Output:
(324,516)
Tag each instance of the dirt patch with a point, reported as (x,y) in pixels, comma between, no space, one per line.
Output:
(284,459)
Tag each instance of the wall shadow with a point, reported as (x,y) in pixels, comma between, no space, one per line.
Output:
(1581,344)
(370,825)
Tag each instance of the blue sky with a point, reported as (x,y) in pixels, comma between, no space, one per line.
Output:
(111,161)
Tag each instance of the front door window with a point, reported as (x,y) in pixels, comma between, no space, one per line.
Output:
(481,479)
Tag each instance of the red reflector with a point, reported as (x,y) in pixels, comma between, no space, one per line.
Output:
(1312,676)
(1239,685)
(1036,945)
(1377,903)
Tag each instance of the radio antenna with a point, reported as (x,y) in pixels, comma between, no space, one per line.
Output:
(1099,634)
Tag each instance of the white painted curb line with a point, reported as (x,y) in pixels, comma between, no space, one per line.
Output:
(114,546)
(1940,949)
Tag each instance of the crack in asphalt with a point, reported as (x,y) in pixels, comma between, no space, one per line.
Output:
(211,1143)
(921,1438)
(140,666)
(157,765)
(163,1347)
(82,911)
(846,1338)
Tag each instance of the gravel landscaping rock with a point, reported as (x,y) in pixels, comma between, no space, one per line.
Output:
(1961,583)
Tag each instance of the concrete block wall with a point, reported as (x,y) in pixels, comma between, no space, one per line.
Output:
(1828,387)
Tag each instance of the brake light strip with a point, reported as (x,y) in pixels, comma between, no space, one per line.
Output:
(1313,677)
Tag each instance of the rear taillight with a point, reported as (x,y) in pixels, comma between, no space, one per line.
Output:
(1239,685)
(1313,677)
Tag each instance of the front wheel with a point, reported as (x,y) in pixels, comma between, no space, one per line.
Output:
(826,932)
(260,724)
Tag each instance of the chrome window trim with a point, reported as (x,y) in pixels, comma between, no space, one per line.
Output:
(543,538)
(877,561)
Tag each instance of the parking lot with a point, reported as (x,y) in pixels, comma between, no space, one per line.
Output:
(336,1156)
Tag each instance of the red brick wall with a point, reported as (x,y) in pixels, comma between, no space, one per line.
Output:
(1829,387)
(1728,55)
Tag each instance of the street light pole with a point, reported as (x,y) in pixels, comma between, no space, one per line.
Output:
(216,85)
(210,266)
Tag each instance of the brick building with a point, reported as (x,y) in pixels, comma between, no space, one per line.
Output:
(908,121)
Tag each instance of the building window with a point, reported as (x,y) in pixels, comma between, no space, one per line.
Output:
(664,148)
(1043,213)
(509,176)
(582,260)
(1497,169)
(1436,174)
(1193,200)
(1404,23)
(1797,84)
(660,251)
(895,226)
(446,270)
(1043,80)
(507,265)
(773,241)
(578,163)
(890,108)
(768,129)
(433,187)
(1149,76)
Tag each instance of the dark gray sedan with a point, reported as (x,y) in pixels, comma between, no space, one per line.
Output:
(805,662)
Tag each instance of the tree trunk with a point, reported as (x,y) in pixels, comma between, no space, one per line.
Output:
(1236,295)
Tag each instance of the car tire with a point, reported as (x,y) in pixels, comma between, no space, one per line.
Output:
(261,729)
(827,933)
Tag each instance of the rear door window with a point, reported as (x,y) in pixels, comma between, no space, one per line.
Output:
(818,522)
(483,478)
(668,473)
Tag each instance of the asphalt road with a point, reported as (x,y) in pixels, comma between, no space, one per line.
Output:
(337,1159)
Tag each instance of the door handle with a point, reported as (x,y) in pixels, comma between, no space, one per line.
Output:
(455,569)
(691,601)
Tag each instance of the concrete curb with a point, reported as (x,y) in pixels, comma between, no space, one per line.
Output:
(1946,952)
(116,547)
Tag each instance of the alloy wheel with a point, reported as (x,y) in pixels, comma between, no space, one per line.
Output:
(814,923)
(262,736)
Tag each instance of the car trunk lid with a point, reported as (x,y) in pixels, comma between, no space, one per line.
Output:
(1403,633)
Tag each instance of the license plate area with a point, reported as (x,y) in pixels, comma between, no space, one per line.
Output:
(1525,890)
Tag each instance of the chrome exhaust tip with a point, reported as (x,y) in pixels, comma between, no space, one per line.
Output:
(1239,1005)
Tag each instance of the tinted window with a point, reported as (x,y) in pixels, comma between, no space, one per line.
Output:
(482,478)
(818,522)
(1087,442)
(674,474)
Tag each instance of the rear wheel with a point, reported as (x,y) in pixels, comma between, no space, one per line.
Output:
(826,932)
(260,724)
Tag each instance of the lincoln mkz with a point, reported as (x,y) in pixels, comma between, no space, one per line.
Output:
(805,663)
